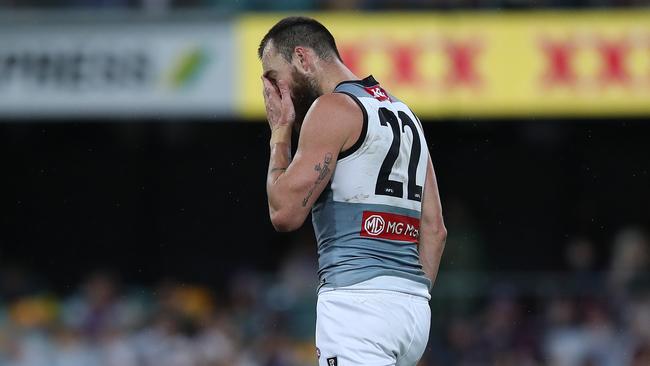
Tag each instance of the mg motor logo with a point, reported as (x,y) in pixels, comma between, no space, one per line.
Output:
(374,225)
(390,226)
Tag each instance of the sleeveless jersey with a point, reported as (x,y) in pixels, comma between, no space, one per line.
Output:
(367,219)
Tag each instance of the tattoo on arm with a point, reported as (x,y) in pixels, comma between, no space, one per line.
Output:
(273,170)
(323,170)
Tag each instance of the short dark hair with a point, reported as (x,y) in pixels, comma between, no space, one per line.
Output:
(291,32)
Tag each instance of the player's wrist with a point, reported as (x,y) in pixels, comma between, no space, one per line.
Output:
(281,134)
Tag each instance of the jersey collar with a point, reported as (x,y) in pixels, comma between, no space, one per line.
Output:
(367,82)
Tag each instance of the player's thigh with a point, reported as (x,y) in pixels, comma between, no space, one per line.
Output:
(355,329)
(421,315)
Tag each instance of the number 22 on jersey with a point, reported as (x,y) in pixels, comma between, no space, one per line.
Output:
(385,186)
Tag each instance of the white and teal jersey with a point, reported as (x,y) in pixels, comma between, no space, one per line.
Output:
(367,220)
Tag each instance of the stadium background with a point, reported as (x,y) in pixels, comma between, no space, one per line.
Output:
(133,151)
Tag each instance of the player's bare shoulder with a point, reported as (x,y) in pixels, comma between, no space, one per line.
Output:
(335,113)
(334,107)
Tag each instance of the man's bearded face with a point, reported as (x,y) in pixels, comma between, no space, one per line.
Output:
(304,92)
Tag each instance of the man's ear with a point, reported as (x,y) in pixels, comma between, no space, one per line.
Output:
(303,59)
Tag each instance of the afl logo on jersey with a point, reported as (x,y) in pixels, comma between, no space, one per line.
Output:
(374,225)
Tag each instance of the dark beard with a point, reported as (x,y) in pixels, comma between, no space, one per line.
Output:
(303,94)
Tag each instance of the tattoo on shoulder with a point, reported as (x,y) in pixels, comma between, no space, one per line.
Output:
(323,170)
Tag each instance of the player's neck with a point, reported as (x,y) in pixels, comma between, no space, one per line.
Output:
(333,75)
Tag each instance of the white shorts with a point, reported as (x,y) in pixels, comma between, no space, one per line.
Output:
(371,328)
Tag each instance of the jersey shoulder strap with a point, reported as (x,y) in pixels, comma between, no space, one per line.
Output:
(365,88)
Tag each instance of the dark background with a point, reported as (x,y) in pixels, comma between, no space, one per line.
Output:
(146,242)
(187,198)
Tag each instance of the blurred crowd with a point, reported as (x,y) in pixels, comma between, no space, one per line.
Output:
(594,313)
(585,315)
(307,5)
(259,319)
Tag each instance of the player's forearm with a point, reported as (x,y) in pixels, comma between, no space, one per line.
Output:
(431,247)
(280,158)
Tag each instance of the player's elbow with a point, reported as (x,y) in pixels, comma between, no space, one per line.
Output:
(285,221)
(441,233)
(437,233)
